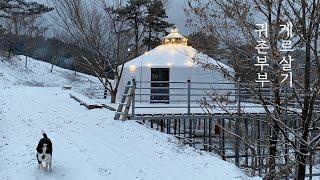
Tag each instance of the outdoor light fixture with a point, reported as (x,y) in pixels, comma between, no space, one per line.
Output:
(189,63)
(174,30)
(132,68)
(169,64)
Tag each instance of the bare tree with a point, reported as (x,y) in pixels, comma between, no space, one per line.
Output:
(32,27)
(56,46)
(102,36)
(234,24)
(13,26)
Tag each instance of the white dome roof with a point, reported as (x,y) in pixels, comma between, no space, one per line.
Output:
(172,55)
(174,38)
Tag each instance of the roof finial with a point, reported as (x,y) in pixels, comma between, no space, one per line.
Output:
(174,30)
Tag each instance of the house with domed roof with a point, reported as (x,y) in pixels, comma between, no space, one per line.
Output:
(168,64)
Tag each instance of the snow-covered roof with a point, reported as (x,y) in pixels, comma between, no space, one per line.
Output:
(173,55)
(174,38)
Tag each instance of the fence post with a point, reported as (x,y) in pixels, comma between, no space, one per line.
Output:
(205,147)
(246,147)
(105,91)
(210,133)
(311,164)
(133,103)
(286,148)
(238,95)
(259,145)
(222,137)
(237,143)
(189,118)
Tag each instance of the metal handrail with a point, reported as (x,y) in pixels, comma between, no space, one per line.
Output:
(236,95)
(184,88)
(173,94)
(154,107)
(181,82)
(181,101)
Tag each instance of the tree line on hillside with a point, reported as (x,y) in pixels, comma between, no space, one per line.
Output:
(93,37)
(138,23)
(20,17)
(23,31)
(48,49)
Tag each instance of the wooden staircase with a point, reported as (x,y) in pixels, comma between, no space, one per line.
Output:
(124,105)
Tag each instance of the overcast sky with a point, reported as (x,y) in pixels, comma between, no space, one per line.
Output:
(174,10)
(177,16)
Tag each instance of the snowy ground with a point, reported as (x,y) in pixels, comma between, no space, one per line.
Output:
(38,74)
(88,144)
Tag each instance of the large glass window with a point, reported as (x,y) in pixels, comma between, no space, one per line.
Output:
(159,90)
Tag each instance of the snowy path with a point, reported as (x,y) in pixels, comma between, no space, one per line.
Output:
(88,144)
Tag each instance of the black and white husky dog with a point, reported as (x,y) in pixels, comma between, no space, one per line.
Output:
(44,153)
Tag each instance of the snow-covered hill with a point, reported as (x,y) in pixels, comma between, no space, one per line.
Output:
(87,144)
(38,74)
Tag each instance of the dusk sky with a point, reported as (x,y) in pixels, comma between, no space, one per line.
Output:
(174,10)
(177,15)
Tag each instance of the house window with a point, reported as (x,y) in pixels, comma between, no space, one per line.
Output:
(159,90)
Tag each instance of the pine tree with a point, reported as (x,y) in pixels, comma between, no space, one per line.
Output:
(135,12)
(147,18)
(155,23)
(9,8)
